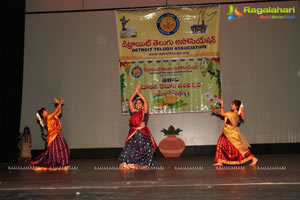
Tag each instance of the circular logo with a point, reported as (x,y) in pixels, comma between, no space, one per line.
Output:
(168,24)
(136,72)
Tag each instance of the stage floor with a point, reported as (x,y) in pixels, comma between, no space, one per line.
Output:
(274,177)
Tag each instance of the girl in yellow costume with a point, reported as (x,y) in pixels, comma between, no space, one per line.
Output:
(232,147)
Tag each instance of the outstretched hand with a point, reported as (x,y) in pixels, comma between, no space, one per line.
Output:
(61,99)
(137,88)
(213,109)
(56,101)
(220,101)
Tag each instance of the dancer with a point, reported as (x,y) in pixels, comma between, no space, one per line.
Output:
(57,155)
(139,144)
(26,145)
(232,147)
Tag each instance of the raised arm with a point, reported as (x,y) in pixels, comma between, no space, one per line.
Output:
(146,107)
(221,111)
(57,110)
(214,110)
(131,106)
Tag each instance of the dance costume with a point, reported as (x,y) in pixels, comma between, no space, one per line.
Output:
(139,144)
(57,155)
(232,147)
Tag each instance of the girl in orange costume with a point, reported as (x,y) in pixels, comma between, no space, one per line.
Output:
(57,155)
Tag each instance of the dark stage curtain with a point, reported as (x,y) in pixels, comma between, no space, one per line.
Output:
(12,25)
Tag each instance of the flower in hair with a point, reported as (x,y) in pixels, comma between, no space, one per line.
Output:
(38,117)
(241,111)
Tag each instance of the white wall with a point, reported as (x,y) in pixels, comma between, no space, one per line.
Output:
(261,66)
(75,54)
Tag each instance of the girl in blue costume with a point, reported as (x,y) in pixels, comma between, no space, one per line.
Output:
(139,144)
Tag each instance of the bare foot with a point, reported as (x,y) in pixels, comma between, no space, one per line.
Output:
(124,166)
(217,164)
(254,161)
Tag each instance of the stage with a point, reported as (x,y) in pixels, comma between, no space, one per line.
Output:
(276,176)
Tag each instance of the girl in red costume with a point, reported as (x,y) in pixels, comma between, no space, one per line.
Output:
(140,145)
